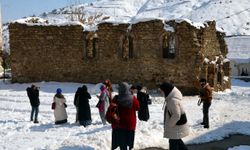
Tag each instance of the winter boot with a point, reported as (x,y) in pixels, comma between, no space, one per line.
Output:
(36,121)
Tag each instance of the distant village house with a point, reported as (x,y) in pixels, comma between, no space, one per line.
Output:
(239,47)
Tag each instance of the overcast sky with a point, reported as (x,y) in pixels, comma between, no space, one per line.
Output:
(15,9)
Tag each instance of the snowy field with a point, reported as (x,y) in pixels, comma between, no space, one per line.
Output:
(229,114)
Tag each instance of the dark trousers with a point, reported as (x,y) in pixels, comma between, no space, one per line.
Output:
(205,114)
(34,110)
(122,138)
(176,144)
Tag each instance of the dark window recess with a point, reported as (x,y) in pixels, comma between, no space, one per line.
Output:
(219,78)
(131,47)
(94,46)
(91,47)
(169,50)
(127,48)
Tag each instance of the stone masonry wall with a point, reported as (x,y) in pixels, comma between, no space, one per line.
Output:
(118,52)
(45,53)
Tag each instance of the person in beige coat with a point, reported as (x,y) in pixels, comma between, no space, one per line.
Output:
(175,120)
(60,108)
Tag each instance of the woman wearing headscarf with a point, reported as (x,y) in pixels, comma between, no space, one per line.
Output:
(103,103)
(84,112)
(175,121)
(123,133)
(143,98)
(60,110)
(109,88)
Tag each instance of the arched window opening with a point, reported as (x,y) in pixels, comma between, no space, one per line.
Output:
(127,48)
(169,49)
(131,50)
(91,46)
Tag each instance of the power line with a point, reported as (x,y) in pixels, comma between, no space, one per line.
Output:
(237,13)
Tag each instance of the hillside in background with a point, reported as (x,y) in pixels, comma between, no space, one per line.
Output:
(231,15)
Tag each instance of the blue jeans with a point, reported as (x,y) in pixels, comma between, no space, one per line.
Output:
(34,110)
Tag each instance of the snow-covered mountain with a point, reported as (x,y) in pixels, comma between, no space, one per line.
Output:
(231,15)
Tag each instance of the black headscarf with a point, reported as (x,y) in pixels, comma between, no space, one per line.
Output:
(166,88)
(138,87)
(84,88)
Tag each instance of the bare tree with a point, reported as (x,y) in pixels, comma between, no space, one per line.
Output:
(76,13)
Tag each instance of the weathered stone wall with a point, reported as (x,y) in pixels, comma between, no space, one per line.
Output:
(48,53)
(118,52)
(216,70)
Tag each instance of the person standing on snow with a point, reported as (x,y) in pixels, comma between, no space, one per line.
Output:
(143,98)
(33,94)
(103,103)
(109,88)
(84,112)
(60,107)
(123,134)
(175,121)
(206,99)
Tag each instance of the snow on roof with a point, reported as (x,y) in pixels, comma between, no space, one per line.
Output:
(168,28)
(198,25)
(231,16)
(30,21)
(206,60)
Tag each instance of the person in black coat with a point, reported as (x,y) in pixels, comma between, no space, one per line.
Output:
(81,101)
(33,94)
(143,98)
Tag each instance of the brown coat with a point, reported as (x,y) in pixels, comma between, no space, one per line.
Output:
(206,94)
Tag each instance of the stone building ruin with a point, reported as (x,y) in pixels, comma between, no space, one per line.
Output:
(149,53)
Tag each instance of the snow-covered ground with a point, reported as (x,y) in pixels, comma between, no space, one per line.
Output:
(243,147)
(229,114)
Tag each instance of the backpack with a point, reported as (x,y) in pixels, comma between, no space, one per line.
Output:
(112,114)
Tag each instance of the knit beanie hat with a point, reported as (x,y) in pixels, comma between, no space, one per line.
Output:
(59,91)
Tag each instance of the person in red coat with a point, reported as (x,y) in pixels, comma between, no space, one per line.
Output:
(123,133)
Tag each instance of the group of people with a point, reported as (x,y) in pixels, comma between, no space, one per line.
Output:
(59,105)
(128,102)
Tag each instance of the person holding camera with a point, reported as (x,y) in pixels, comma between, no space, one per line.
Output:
(33,94)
